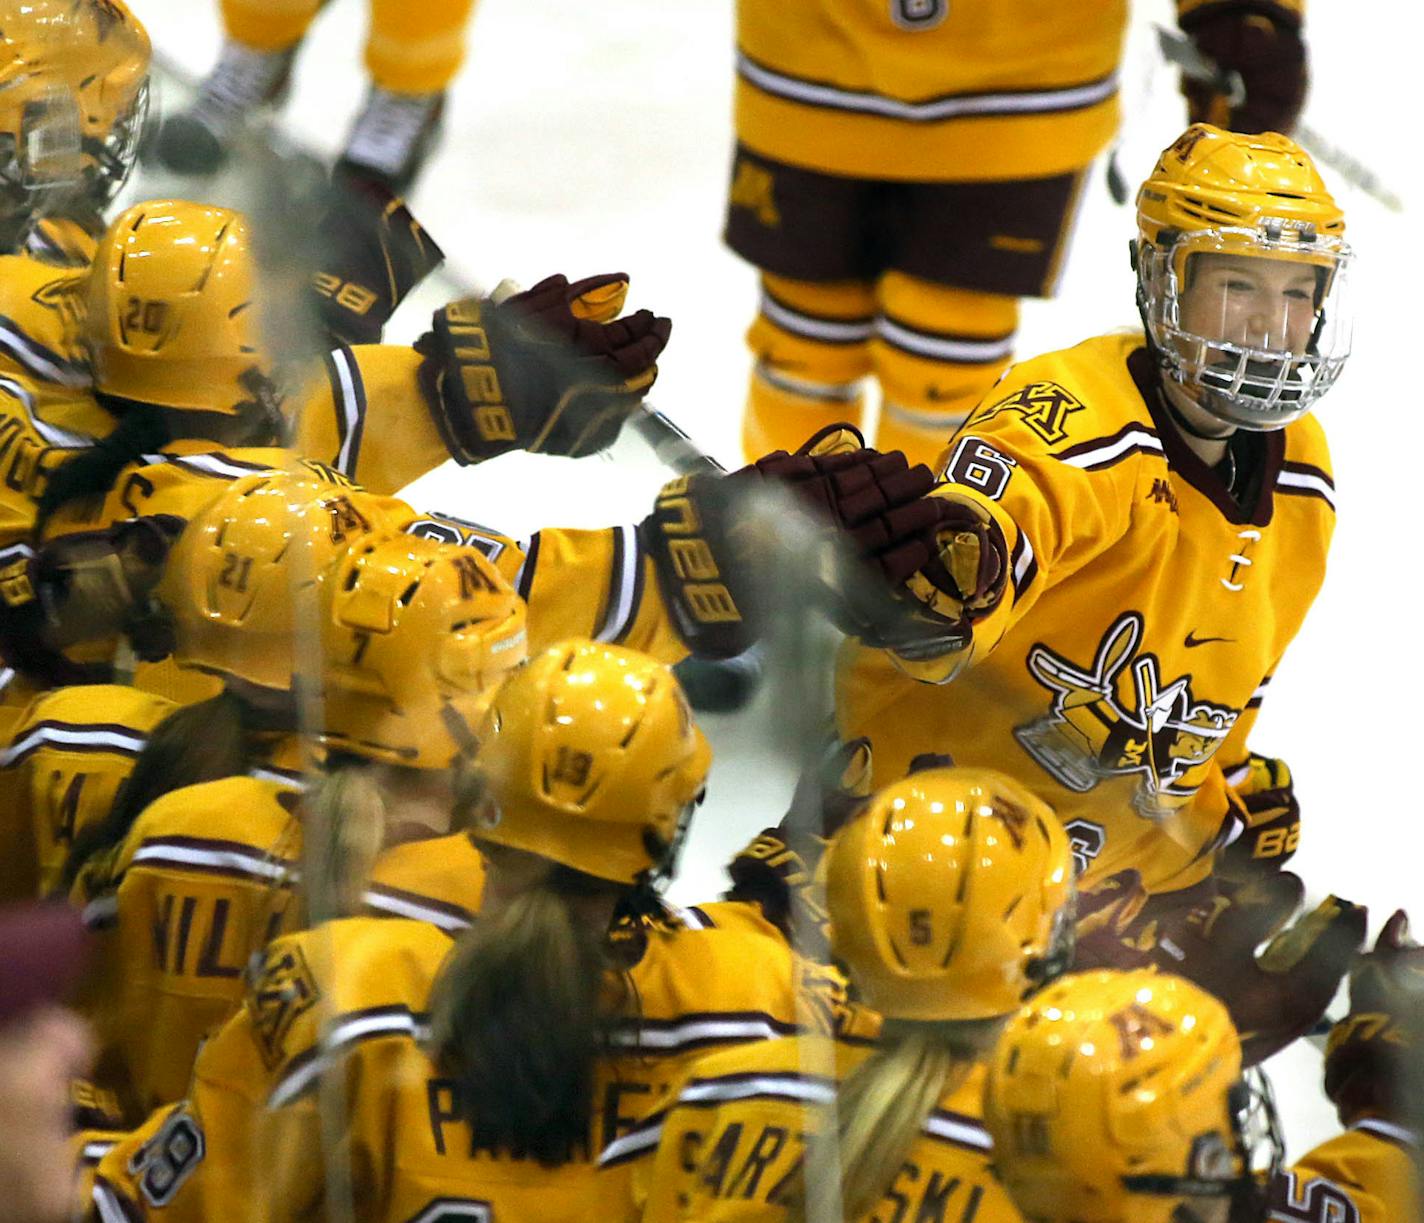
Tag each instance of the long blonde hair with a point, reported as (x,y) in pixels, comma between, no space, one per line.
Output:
(343,816)
(881,1107)
(520,1015)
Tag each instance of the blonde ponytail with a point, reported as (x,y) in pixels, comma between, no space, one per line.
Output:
(881,1107)
(519,1017)
(343,830)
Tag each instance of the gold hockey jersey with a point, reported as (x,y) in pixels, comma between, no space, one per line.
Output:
(351,997)
(929,89)
(732,1145)
(70,752)
(1144,616)
(1368,1174)
(367,418)
(204,880)
(41,309)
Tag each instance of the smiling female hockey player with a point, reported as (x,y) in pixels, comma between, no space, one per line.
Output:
(1133,531)
(1138,526)
(949,899)
(482,1075)
(1118,1098)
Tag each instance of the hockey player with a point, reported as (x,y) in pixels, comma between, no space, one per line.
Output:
(1370,1172)
(72,749)
(1118,1098)
(412,56)
(480,1076)
(414,636)
(907,171)
(73,97)
(1138,526)
(948,896)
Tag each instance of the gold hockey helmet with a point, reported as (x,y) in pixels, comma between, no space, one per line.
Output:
(243,576)
(416,635)
(950,895)
(172,313)
(1116,1097)
(73,96)
(589,756)
(1257,354)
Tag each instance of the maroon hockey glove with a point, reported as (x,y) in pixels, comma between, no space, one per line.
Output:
(547,370)
(1372,1062)
(1264,803)
(1262,42)
(778,869)
(375,252)
(1277,994)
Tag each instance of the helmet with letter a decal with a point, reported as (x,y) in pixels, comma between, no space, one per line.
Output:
(1116,1097)
(1242,275)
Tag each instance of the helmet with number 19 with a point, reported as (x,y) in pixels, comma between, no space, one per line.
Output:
(1242,275)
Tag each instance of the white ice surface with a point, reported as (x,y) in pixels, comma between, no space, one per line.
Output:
(589,137)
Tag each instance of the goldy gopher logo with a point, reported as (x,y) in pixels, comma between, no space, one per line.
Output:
(1091,732)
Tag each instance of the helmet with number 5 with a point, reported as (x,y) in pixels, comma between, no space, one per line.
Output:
(1116,1097)
(589,757)
(950,896)
(173,318)
(73,97)
(1242,275)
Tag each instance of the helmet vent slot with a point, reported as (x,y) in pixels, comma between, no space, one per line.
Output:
(880,886)
(408,594)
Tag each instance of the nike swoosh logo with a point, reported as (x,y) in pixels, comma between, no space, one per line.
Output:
(1192,642)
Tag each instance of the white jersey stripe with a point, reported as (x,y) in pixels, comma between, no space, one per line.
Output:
(117,740)
(964,1133)
(401,906)
(1387,1129)
(225,859)
(695,1030)
(1111,450)
(1307,482)
(634,1143)
(350,407)
(817,94)
(615,624)
(363,1027)
(108,1205)
(1025,560)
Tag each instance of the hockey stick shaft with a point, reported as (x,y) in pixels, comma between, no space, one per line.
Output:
(1178,49)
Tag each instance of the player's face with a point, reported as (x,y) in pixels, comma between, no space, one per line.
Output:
(1251,301)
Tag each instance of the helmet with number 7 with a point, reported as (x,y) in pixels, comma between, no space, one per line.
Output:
(589,756)
(241,582)
(1116,1097)
(416,636)
(173,317)
(950,896)
(73,97)
(1242,275)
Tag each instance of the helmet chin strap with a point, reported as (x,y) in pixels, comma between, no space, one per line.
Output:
(1180,420)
